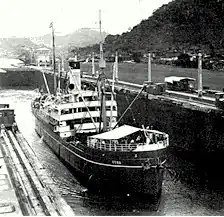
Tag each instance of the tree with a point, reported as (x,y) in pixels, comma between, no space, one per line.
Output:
(178,24)
(137,56)
(24,55)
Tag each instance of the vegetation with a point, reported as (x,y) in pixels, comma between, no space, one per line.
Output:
(181,25)
(138,73)
(79,38)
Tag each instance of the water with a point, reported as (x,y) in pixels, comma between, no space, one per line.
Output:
(182,192)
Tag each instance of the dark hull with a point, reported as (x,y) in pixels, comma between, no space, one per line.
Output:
(96,165)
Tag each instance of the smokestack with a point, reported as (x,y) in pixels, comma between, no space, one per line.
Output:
(76,57)
(74,77)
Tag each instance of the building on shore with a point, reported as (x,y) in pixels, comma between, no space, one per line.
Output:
(43,56)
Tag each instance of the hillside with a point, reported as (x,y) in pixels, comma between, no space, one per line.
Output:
(80,38)
(11,44)
(15,46)
(189,25)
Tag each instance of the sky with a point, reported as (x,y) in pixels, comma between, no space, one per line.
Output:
(31,18)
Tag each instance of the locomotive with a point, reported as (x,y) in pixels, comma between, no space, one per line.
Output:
(7,116)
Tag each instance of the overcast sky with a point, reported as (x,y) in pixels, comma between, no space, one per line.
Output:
(32,17)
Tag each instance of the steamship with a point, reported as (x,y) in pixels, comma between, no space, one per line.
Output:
(80,125)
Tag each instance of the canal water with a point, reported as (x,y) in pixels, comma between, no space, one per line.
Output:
(182,192)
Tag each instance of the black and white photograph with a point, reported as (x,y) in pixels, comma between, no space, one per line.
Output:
(112,108)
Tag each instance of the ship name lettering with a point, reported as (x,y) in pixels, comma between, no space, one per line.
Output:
(116,162)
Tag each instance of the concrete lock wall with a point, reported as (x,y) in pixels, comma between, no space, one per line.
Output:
(189,130)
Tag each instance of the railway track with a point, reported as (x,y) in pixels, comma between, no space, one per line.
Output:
(30,181)
(189,100)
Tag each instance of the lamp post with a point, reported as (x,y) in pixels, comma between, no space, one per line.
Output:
(149,68)
(200,75)
(31,55)
(62,62)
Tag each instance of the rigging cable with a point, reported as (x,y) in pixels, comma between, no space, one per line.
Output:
(132,114)
(129,106)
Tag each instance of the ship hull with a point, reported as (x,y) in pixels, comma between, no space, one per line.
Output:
(98,170)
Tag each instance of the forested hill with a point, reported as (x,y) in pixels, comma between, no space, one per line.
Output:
(180,25)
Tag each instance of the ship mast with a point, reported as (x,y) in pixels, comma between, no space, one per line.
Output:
(112,95)
(59,76)
(53,57)
(102,66)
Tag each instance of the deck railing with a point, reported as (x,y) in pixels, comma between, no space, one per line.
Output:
(112,147)
(122,147)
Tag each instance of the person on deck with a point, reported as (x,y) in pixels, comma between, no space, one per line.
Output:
(131,144)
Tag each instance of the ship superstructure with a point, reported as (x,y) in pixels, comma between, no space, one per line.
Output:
(78,110)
